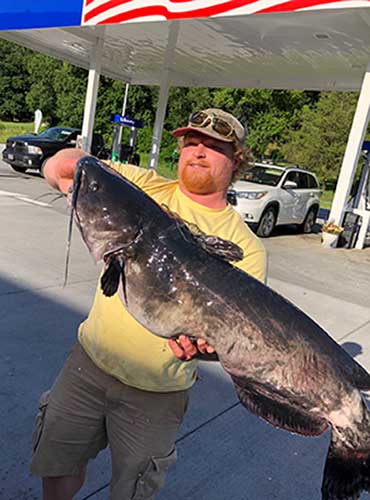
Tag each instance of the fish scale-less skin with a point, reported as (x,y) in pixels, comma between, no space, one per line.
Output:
(286,368)
(250,339)
(247,349)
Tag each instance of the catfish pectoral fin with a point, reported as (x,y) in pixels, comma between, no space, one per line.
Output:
(110,280)
(276,409)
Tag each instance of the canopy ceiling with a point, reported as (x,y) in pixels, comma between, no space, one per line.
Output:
(328,48)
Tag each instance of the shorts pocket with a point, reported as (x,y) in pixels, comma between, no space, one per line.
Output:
(154,476)
(40,419)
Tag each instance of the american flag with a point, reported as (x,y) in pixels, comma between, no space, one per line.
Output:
(120,11)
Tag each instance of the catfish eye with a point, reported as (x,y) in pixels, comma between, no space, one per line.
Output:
(94,186)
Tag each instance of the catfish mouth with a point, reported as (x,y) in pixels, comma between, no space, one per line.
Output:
(94,222)
(104,243)
(101,243)
(103,230)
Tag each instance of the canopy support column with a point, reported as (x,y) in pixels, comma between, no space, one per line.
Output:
(92,94)
(352,153)
(163,95)
(123,111)
(159,120)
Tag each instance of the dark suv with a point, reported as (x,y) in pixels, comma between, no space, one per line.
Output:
(32,151)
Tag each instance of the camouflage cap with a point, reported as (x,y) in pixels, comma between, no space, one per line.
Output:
(214,123)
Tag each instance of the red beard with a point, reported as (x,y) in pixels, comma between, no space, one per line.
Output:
(198,181)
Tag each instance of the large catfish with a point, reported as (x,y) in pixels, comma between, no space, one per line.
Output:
(285,367)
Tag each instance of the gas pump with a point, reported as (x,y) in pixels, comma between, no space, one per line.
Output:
(356,220)
(125,153)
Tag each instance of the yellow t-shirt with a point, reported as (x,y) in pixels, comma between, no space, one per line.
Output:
(122,347)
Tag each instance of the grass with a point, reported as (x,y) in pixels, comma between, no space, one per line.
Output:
(326,199)
(164,168)
(8,129)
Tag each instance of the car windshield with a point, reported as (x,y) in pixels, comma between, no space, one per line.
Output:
(58,134)
(263,175)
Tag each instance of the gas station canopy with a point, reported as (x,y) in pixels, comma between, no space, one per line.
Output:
(297,44)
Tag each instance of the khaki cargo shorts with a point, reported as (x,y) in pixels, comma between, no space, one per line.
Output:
(86,409)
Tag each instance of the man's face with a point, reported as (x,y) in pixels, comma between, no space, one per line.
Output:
(206,165)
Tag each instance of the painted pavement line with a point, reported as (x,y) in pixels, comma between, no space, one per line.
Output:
(22,197)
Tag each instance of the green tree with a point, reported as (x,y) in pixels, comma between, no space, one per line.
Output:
(70,89)
(319,141)
(267,114)
(110,97)
(42,95)
(140,105)
(181,103)
(14,82)
(184,101)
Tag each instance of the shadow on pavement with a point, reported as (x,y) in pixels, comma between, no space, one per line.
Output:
(36,334)
(224,451)
(352,348)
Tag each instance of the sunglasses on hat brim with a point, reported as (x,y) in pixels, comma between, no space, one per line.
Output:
(201,119)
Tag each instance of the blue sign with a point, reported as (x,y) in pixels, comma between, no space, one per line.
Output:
(25,14)
(366,146)
(126,121)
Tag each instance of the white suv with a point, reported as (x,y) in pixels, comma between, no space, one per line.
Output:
(269,195)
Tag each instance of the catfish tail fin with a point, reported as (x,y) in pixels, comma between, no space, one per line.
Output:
(346,474)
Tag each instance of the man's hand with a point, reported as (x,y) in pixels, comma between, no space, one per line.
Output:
(184,348)
(59,169)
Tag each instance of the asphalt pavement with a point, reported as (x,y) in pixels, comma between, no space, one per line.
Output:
(225,453)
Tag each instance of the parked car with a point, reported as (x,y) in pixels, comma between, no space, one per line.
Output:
(32,151)
(270,195)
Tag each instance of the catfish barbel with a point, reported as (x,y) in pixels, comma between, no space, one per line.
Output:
(286,369)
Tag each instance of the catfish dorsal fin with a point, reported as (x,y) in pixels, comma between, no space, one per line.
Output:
(218,247)
(224,249)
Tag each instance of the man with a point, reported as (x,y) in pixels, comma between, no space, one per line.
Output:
(121,384)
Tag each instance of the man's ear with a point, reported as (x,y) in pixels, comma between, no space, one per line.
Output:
(236,163)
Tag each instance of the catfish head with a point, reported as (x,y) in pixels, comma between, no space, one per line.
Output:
(106,208)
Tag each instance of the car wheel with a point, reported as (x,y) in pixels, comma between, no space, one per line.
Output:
(267,223)
(309,221)
(19,169)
